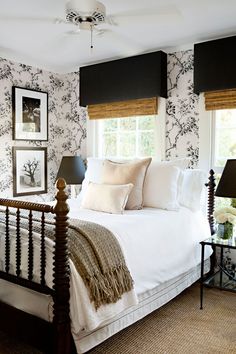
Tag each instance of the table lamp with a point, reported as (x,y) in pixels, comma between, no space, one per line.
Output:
(227,184)
(72,169)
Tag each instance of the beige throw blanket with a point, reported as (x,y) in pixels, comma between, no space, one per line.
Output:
(96,255)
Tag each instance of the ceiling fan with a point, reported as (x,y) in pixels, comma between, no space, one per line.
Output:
(90,15)
(87,15)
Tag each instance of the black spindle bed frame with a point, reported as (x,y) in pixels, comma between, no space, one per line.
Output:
(52,337)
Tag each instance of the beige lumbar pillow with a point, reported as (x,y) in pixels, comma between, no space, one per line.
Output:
(123,173)
(107,198)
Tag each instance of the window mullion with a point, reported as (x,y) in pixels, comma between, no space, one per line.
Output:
(137,138)
(118,139)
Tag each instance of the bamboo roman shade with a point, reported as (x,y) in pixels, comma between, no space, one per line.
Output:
(224,99)
(138,107)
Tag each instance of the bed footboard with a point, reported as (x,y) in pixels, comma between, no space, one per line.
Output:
(62,340)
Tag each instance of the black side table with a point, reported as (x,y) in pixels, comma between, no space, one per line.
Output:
(218,277)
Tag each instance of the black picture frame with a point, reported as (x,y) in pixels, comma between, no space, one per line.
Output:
(29,170)
(30,114)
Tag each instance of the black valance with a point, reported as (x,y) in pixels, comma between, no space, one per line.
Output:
(141,76)
(215,65)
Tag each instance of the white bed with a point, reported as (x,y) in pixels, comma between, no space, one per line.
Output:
(162,252)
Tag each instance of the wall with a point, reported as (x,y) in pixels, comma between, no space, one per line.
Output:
(67,120)
(182,108)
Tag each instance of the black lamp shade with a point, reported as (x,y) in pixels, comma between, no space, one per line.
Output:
(72,169)
(227,185)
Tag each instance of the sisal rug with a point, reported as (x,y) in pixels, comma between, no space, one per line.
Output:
(178,327)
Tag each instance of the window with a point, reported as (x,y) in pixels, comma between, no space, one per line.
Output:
(223,144)
(223,137)
(217,135)
(127,137)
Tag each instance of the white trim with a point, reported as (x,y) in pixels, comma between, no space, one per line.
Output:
(161,129)
(92,138)
(217,169)
(205,136)
(213,143)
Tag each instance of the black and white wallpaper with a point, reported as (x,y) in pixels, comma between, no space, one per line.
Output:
(67,120)
(182,117)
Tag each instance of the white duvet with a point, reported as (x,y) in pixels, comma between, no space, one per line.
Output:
(158,245)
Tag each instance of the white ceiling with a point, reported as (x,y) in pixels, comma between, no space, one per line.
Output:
(29,34)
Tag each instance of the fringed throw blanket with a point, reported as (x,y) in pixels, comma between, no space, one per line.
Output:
(99,260)
(97,257)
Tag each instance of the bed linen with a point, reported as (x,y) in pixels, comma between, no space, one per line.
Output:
(158,246)
(149,301)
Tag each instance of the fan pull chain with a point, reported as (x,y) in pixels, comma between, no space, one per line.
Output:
(91,40)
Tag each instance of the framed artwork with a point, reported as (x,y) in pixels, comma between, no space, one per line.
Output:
(29,170)
(30,114)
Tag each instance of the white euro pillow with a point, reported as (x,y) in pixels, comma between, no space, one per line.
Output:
(106,198)
(193,188)
(161,186)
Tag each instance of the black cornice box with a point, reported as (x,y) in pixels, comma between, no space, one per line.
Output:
(215,65)
(140,76)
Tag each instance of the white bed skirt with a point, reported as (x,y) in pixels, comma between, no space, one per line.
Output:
(148,302)
(41,306)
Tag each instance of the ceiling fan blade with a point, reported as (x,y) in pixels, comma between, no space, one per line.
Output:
(97,31)
(146,16)
(43,20)
(101,31)
(110,20)
(125,46)
(76,32)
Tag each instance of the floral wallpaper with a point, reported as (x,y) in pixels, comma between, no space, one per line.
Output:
(182,121)
(67,120)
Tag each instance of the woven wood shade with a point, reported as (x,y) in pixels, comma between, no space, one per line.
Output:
(225,99)
(139,107)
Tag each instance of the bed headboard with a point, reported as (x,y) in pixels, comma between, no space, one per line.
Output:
(211,200)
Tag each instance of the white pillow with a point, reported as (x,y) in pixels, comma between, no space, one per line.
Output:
(161,186)
(193,189)
(109,198)
(182,163)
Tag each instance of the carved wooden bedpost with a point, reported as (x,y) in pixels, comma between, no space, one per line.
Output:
(211,200)
(61,308)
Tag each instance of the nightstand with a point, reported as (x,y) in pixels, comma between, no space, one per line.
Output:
(218,277)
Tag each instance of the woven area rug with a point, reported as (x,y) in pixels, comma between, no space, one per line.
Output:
(178,327)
